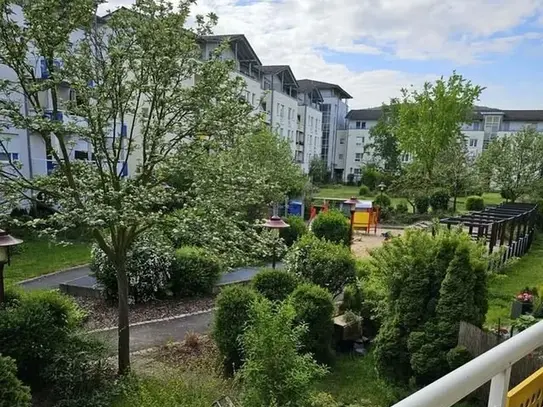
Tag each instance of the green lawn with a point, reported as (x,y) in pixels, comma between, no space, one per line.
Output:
(34,258)
(525,272)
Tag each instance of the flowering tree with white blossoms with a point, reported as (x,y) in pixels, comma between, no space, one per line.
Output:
(129,72)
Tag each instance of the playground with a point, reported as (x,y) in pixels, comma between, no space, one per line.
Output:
(363,243)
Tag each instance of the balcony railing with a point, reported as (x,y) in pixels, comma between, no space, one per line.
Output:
(494,365)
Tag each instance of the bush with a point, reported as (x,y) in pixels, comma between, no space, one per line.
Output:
(321,262)
(315,307)
(383,201)
(439,200)
(422,203)
(402,208)
(148,266)
(233,305)
(352,299)
(475,203)
(12,391)
(364,191)
(297,228)
(371,177)
(458,356)
(275,373)
(333,226)
(275,285)
(194,271)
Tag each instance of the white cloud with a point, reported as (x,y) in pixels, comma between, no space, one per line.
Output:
(295,32)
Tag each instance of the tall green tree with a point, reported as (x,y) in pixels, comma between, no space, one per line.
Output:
(129,69)
(318,171)
(429,121)
(513,163)
(385,144)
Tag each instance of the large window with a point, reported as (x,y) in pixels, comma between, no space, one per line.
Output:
(7,157)
(358,157)
(359,141)
(360,125)
(473,142)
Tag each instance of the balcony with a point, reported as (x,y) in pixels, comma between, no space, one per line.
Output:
(41,68)
(72,119)
(494,365)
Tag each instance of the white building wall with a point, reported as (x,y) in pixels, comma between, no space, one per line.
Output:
(310,127)
(284,116)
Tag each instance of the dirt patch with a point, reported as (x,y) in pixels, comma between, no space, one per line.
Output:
(104,315)
(363,243)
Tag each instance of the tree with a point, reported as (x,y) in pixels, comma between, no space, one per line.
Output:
(385,143)
(428,122)
(513,163)
(318,171)
(131,70)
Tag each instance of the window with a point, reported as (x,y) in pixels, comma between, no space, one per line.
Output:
(476,126)
(289,113)
(264,106)
(363,125)
(341,140)
(358,157)
(81,155)
(473,142)
(357,171)
(341,156)
(358,124)
(7,157)
(253,99)
(282,111)
(405,158)
(279,109)
(281,132)
(359,141)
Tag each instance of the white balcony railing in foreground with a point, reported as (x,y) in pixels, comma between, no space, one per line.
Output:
(494,365)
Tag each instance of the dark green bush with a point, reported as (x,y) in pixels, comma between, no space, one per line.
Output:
(364,190)
(352,299)
(331,225)
(297,227)
(315,307)
(475,203)
(439,200)
(233,307)
(321,262)
(275,285)
(506,194)
(382,201)
(402,208)
(12,391)
(422,203)
(194,271)
(371,177)
(458,356)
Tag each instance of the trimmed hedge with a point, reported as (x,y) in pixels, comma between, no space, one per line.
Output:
(475,203)
(439,200)
(333,226)
(422,203)
(297,229)
(12,391)
(275,285)
(233,308)
(383,201)
(402,208)
(315,307)
(194,271)
(364,190)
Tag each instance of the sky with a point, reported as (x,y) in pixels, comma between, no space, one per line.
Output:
(373,48)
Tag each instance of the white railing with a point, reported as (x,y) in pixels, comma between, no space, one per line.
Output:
(494,365)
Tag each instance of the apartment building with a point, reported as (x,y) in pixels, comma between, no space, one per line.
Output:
(309,135)
(334,110)
(488,124)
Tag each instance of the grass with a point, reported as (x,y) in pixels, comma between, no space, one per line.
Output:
(525,272)
(38,257)
(345,192)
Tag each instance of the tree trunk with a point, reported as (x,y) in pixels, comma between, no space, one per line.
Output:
(454,202)
(123,325)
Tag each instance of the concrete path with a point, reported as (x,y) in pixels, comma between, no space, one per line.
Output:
(151,334)
(53,280)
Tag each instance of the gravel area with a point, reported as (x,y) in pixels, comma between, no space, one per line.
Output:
(103,315)
(363,243)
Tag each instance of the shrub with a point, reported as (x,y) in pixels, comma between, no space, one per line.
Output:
(370,176)
(194,271)
(233,305)
(148,266)
(422,203)
(315,307)
(439,200)
(321,262)
(275,373)
(383,201)
(458,356)
(12,391)
(297,228)
(475,203)
(402,208)
(275,285)
(352,299)
(364,190)
(331,225)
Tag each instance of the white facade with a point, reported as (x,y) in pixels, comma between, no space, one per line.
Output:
(354,144)
(309,142)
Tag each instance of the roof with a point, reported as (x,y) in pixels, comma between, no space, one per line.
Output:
(508,115)
(310,83)
(277,69)
(246,53)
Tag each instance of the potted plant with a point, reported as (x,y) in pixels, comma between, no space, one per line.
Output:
(526,298)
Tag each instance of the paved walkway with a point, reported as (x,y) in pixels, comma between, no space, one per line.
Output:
(52,281)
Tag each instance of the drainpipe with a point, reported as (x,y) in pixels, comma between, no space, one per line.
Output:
(305,127)
(29,149)
(272,105)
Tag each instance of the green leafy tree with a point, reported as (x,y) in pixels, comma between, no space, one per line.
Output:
(513,163)
(131,68)
(429,121)
(275,373)
(385,144)
(318,171)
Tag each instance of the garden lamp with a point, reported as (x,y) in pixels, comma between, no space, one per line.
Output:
(352,204)
(6,241)
(381,187)
(275,222)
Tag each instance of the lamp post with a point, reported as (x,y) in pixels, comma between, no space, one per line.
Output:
(275,223)
(352,204)
(6,241)
(381,187)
